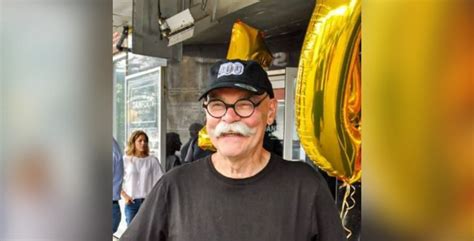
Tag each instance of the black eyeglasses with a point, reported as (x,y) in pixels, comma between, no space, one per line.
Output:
(243,107)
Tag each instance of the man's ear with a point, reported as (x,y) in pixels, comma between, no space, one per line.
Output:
(272,111)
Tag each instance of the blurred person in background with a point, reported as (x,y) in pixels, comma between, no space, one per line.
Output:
(191,150)
(194,129)
(117,174)
(141,172)
(173,144)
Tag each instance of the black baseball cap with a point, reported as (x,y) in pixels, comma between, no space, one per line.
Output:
(240,74)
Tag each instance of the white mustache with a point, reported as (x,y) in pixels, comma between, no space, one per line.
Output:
(236,127)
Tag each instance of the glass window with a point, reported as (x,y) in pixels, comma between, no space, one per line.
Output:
(119,101)
(142,105)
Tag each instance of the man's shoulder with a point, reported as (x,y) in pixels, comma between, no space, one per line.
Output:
(186,171)
(297,170)
(298,166)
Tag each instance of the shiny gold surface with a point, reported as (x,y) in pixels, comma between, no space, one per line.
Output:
(247,43)
(204,141)
(328,90)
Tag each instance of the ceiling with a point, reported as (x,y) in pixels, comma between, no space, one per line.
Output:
(122,14)
(273,17)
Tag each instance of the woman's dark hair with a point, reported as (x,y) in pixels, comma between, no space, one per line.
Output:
(173,143)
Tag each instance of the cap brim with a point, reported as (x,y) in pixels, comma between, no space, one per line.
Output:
(235,85)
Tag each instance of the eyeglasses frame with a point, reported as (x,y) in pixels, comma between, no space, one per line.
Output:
(227,106)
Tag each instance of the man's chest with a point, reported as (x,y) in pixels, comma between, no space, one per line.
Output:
(239,215)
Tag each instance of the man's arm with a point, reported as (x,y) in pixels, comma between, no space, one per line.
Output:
(117,170)
(326,221)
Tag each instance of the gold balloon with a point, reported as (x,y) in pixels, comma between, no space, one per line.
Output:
(247,43)
(204,141)
(328,89)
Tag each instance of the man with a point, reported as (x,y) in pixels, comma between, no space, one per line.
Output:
(191,150)
(117,173)
(193,136)
(241,192)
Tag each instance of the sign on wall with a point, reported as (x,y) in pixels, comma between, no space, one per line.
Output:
(142,105)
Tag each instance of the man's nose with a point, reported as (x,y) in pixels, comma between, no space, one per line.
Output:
(230,115)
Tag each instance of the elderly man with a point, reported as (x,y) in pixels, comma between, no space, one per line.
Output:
(242,192)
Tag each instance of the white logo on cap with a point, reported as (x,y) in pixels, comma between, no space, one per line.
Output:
(230,69)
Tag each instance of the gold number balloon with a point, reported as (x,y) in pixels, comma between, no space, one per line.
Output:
(247,43)
(328,89)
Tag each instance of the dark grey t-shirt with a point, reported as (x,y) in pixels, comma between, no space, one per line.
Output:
(286,201)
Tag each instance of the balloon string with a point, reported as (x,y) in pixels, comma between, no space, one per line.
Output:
(349,193)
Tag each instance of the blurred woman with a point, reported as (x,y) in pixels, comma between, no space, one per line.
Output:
(141,172)
(173,144)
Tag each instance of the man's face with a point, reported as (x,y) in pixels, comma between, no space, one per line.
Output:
(246,139)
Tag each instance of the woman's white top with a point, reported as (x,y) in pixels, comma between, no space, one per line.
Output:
(140,175)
